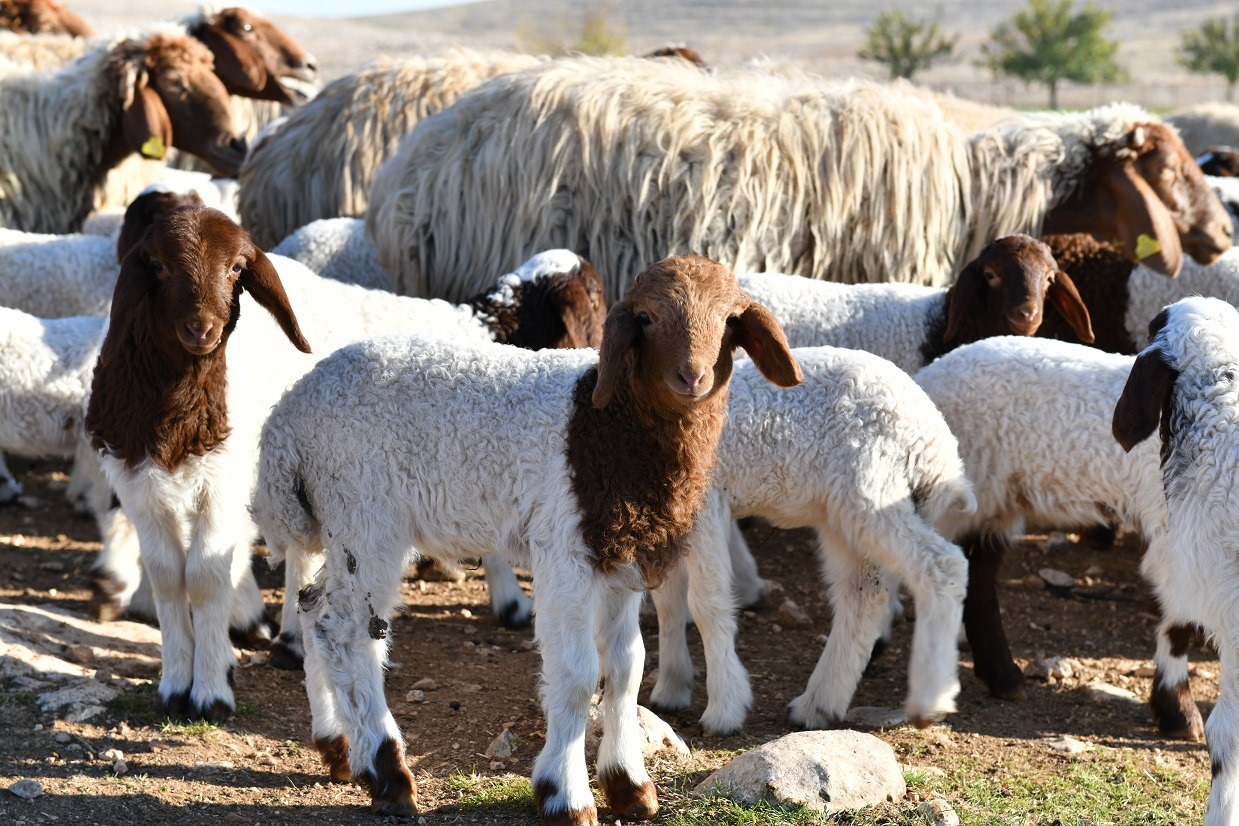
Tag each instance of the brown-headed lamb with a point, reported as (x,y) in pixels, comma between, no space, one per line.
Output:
(42,17)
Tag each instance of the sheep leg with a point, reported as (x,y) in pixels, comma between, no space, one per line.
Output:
(729,696)
(219,545)
(750,588)
(508,602)
(9,488)
(350,623)
(326,727)
(621,768)
(565,591)
(1173,707)
(77,492)
(1222,739)
(248,625)
(300,566)
(991,655)
(858,601)
(673,689)
(117,574)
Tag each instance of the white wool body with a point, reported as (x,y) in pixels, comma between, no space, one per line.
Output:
(337,248)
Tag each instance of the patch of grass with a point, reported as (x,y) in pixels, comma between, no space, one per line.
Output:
(719,809)
(248,710)
(193,728)
(479,790)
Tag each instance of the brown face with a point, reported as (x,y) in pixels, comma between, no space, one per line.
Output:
(257,60)
(1017,270)
(1171,172)
(196,106)
(582,307)
(42,17)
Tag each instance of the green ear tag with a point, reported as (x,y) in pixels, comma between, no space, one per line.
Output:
(1146,246)
(154,149)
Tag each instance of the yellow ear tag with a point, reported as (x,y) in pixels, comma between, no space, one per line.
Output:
(154,149)
(1146,246)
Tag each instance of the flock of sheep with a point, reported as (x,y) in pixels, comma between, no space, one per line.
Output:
(377,343)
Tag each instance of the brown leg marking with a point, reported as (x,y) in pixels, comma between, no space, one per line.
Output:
(983,622)
(393,791)
(627,799)
(334,751)
(104,606)
(543,790)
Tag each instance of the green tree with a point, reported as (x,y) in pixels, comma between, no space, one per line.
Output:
(905,45)
(1045,42)
(597,35)
(1213,49)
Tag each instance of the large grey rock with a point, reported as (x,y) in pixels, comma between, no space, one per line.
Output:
(826,771)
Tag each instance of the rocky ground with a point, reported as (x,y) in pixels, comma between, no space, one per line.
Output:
(101,753)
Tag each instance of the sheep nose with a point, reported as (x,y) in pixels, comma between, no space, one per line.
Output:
(199,329)
(692,380)
(238,145)
(1028,313)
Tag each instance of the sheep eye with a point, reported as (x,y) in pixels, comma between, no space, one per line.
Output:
(247,28)
(733,320)
(236,268)
(1168,173)
(992,278)
(156,265)
(644,318)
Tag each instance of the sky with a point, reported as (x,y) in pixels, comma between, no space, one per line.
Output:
(345,8)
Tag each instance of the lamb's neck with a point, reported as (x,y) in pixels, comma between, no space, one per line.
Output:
(641,475)
(935,328)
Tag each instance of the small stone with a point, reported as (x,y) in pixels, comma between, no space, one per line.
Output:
(454,705)
(259,658)
(27,789)
(1057,578)
(416,696)
(120,767)
(1033,582)
(501,746)
(421,821)
(214,765)
(1068,745)
(792,615)
(1203,673)
(1146,670)
(79,654)
(63,737)
(525,645)
(1056,540)
(821,639)
(38,726)
(497,766)
(1102,693)
(426,684)
(160,745)
(102,675)
(1094,570)
(466,613)
(938,812)
(112,755)
(470,688)
(774,588)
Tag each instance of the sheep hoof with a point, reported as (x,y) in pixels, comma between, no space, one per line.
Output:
(545,791)
(1182,725)
(393,791)
(176,706)
(394,808)
(257,635)
(514,616)
(629,800)
(1015,693)
(215,712)
(284,656)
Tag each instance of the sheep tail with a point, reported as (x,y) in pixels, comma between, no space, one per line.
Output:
(282,504)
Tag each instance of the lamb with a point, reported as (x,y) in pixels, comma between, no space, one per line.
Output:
(1219,162)
(1207,124)
(1122,297)
(1227,191)
(36,16)
(1186,379)
(765,173)
(860,454)
(61,133)
(326,155)
(1033,420)
(337,248)
(597,525)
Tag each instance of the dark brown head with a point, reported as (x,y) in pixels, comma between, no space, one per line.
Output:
(255,59)
(183,283)
(1220,162)
(1150,199)
(1146,395)
(1003,292)
(173,98)
(144,210)
(673,334)
(678,50)
(42,17)
(553,300)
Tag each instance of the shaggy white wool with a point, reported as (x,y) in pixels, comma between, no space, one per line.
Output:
(1148,291)
(337,248)
(323,159)
(55,276)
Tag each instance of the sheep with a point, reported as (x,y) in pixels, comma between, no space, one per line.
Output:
(336,248)
(1207,124)
(37,16)
(323,160)
(859,453)
(1227,191)
(597,525)
(624,157)
(61,133)
(1122,296)
(1033,421)
(1219,162)
(1185,379)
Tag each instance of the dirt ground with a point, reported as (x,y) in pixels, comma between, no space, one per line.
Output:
(258,767)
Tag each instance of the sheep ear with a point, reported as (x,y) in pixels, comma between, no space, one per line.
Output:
(135,282)
(1146,231)
(763,339)
(148,129)
(963,298)
(237,65)
(1066,299)
(1140,406)
(263,283)
(619,338)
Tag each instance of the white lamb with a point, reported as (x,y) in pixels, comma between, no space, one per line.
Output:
(1185,379)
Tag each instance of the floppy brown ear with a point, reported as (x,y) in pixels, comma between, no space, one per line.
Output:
(1146,231)
(133,285)
(148,129)
(1066,299)
(263,283)
(236,64)
(963,298)
(1140,406)
(619,338)
(763,339)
